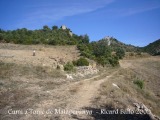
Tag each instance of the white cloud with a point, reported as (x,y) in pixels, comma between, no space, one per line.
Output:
(43,14)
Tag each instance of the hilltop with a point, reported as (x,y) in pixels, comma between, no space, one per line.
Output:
(114,44)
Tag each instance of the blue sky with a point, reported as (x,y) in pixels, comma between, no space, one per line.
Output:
(135,22)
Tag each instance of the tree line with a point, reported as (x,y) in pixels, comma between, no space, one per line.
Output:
(46,35)
(98,51)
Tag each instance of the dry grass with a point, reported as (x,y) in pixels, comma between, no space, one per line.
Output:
(46,55)
(75,89)
(23,87)
(26,84)
(12,69)
(28,81)
(133,55)
(146,69)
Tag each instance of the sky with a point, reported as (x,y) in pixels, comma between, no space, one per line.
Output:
(135,22)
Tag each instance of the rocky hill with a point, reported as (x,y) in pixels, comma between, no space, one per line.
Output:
(114,44)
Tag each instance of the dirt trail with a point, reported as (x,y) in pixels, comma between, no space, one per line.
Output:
(86,91)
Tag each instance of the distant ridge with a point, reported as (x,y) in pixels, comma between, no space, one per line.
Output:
(153,48)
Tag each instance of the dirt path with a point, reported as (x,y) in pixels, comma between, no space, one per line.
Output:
(86,91)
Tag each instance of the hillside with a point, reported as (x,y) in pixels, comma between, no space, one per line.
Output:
(52,73)
(153,48)
(46,55)
(114,44)
(31,85)
(97,51)
(64,36)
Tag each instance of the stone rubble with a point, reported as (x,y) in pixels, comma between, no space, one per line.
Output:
(141,108)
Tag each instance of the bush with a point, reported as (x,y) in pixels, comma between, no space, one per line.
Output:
(120,53)
(139,83)
(35,41)
(102,61)
(68,67)
(87,54)
(114,61)
(81,62)
(52,42)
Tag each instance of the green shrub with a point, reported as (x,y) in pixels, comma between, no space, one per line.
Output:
(35,41)
(114,61)
(52,42)
(102,61)
(74,62)
(139,83)
(68,67)
(81,62)
(86,54)
(120,53)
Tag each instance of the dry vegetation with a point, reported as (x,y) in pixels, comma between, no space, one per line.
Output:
(146,69)
(45,55)
(28,81)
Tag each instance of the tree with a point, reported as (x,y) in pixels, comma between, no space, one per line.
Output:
(1,36)
(54,27)
(84,39)
(101,50)
(46,28)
